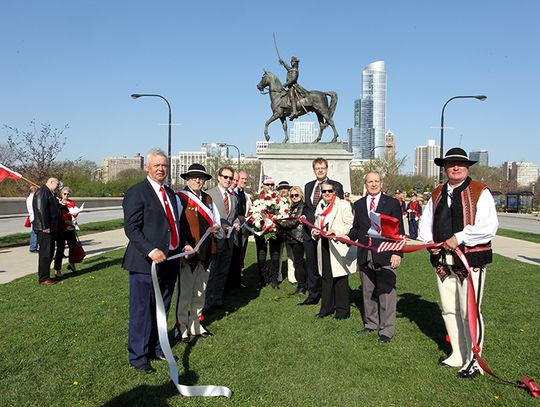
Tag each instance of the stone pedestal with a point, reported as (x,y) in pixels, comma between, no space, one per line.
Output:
(293,162)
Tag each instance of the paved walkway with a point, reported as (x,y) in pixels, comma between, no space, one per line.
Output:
(18,261)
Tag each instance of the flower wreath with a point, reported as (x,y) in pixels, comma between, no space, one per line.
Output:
(268,206)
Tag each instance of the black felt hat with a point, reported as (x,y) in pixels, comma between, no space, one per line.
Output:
(454,154)
(283,185)
(194,170)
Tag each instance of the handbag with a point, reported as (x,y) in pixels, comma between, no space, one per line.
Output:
(27,222)
(77,252)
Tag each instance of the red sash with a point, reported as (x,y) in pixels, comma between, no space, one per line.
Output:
(204,210)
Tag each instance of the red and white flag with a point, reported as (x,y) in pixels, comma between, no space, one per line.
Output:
(384,226)
(5,172)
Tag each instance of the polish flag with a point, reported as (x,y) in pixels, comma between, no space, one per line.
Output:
(384,226)
(5,172)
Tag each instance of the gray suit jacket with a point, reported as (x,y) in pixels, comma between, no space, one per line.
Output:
(229,220)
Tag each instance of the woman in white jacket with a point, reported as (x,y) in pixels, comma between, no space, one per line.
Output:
(336,260)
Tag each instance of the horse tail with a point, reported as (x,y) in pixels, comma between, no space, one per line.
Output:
(333,103)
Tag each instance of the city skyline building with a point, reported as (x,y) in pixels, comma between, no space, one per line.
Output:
(303,132)
(481,156)
(390,144)
(181,162)
(523,173)
(424,160)
(113,166)
(372,112)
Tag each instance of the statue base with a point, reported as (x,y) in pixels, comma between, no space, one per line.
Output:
(292,162)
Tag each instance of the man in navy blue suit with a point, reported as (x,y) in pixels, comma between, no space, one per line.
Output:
(151,225)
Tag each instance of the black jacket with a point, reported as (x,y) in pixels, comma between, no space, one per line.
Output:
(309,209)
(292,228)
(46,210)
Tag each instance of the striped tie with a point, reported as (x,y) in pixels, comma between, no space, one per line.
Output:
(372,204)
(226,202)
(170,219)
(317,194)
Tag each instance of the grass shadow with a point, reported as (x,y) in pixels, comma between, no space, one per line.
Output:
(145,395)
(426,315)
(95,264)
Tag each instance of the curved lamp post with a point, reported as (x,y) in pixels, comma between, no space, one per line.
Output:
(237,149)
(137,96)
(479,97)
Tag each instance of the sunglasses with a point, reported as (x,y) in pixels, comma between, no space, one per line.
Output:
(227,176)
(270,185)
(327,191)
(294,195)
(65,193)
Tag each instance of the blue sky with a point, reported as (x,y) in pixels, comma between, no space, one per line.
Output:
(77,62)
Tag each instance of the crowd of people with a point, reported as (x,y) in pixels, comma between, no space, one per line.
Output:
(326,237)
(52,222)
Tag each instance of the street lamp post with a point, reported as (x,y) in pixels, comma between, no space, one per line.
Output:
(237,150)
(479,97)
(138,95)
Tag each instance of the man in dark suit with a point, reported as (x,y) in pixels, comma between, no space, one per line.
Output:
(377,270)
(46,224)
(151,225)
(312,194)
(226,204)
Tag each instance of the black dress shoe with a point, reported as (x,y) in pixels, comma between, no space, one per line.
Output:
(441,363)
(145,368)
(384,340)
(365,331)
(346,316)
(322,314)
(309,302)
(206,334)
(162,357)
(469,374)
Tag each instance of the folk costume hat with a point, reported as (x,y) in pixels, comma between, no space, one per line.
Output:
(454,154)
(196,170)
(283,185)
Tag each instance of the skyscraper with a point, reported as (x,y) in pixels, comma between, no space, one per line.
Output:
(423,163)
(372,112)
(482,156)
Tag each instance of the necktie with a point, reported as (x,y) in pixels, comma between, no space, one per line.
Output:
(226,202)
(317,194)
(170,219)
(372,204)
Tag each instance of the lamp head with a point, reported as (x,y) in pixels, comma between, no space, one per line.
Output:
(135,96)
(481,97)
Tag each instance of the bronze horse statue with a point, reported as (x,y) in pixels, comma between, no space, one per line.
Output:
(313,101)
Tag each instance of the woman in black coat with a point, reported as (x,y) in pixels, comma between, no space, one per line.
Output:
(292,233)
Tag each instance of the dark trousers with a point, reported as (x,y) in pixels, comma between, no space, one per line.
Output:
(413,228)
(299,264)
(268,275)
(335,295)
(143,341)
(312,270)
(69,236)
(235,270)
(46,252)
(219,269)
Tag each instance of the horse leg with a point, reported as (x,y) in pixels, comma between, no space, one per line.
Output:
(284,124)
(321,126)
(270,120)
(330,122)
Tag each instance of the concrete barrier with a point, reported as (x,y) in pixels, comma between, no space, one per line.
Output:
(15,206)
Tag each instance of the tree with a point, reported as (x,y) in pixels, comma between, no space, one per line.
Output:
(35,151)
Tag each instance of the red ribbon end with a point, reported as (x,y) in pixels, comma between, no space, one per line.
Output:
(530,385)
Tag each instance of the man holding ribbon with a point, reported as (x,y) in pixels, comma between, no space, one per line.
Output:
(197,216)
(150,223)
(377,270)
(461,213)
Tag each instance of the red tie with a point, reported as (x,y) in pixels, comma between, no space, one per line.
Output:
(372,204)
(317,194)
(172,225)
(226,202)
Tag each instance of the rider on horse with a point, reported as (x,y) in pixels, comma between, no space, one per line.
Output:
(294,90)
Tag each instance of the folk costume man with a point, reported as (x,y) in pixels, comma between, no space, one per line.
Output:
(377,270)
(414,213)
(461,213)
(150,224)
(196,217)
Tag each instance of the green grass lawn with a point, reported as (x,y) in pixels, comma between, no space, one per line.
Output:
(65,345)
(531,237)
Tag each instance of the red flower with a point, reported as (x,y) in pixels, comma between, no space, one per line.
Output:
(262,196)
(261,222)
(267,198)
(286,211)
(277,201)
(273,195)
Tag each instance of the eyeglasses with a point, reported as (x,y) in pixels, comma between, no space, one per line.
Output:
(294,195)
(65,193)
(227,176)
(327,191)
(269,185)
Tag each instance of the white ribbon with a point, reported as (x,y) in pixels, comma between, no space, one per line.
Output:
(161,317)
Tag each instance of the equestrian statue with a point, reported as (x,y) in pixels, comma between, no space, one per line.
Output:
(292,100)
